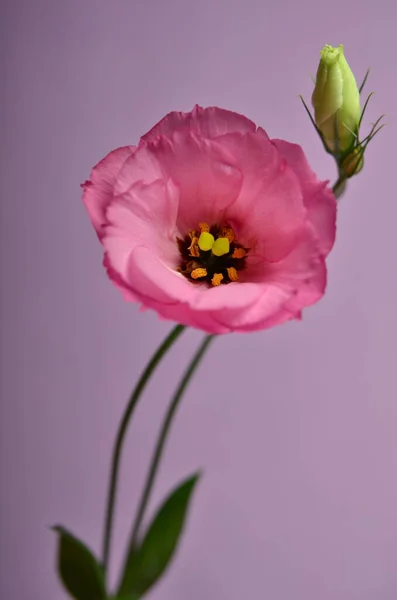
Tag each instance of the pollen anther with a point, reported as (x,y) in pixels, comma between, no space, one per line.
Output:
(199,272)
(239,253)
(217,279)
(204,227)
(193,248)
(228,233)
(233,275)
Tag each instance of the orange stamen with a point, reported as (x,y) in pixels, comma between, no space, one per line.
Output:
(204,227)
(228,233)
(197,273)
(217,278)
(233,275)
(238,253)
(193,248)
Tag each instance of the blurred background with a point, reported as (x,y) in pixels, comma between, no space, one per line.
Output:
(295,428)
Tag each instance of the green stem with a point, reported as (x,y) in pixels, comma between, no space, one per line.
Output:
(156,358)
(155,462)
(339,186)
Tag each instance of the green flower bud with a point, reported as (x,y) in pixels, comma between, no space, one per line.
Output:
(336,101)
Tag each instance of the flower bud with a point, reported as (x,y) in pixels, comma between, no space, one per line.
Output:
(336,101)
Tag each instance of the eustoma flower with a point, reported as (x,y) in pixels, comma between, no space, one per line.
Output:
(212,224)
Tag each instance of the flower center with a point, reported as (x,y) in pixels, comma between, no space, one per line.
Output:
(211,255)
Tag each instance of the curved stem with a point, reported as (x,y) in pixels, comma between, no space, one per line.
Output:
(339,186)
(165,428)
(158,355)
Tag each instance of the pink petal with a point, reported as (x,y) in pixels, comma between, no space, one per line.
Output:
(204,122)
(269,304)
(318,197)
(117,280)
(311,291)
(177,287)
(144,216)
(236,307)
(183,314)
(269,211)
(162,281)
(208,182)
(98,192)
(153,206)
(167,295)
(142,167)
(302,272)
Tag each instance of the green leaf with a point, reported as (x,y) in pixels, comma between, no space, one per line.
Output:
(147,563)
(79,570)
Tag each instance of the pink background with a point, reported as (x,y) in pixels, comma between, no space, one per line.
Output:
(296,427)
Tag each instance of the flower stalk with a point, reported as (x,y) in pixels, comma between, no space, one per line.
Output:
(157,455)
(123,427)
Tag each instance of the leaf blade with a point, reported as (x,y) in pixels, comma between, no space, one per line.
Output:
(80,572)
(147,563)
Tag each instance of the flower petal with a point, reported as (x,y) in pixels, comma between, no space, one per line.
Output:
(142,167)
(302,272)
(144,216)
(177,287)
(208,123)
(117,280)
(317,196)
(98,191)
(269,211)
(151,282)
(266,311)
(208,182)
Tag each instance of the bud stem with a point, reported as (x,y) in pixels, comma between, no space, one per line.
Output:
(339,186)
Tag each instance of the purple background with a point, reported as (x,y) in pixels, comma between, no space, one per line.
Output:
(295,427)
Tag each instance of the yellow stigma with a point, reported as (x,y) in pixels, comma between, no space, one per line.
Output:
(197,273)
(204,227)
(217,278)
(221,246)
(206,241)
(238,253)
(233,275)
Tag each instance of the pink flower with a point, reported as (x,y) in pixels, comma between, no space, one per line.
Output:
(212,224)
